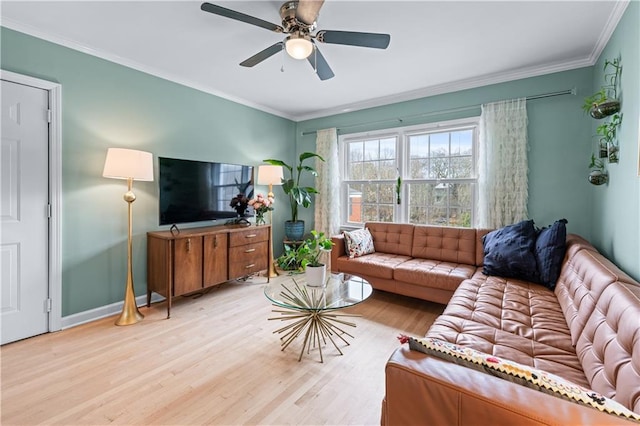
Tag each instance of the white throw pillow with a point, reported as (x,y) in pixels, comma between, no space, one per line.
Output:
(358,242)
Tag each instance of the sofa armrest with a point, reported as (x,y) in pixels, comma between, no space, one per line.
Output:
(421,389)
(336,251)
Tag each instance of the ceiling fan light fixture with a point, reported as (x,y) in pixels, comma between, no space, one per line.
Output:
(298,46)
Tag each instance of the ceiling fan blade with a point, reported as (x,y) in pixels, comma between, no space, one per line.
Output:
(238,16)
(353,38)
(261,56)
(308,10)
(320,64)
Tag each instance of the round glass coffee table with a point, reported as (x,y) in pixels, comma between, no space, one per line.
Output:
(313,311)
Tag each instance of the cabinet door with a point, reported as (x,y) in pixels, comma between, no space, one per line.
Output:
(215,259)
(187,265)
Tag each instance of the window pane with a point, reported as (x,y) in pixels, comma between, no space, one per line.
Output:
(388,169)
(354,213)
(355,151)
(439,168)
(370,170)
(461,167)
(386,194)
(388,148)
(355,171)
(419,168)
(439,144)
(419,146)
(462,142)
(443,203)
(371,150)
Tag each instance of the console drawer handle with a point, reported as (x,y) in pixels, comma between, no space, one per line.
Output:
(250,236)
(250,266)
(251,250)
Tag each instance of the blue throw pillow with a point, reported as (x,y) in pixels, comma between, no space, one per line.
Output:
(509,252)
(550,248)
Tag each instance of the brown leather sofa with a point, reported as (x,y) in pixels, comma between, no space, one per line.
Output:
(587,331)
(426,262)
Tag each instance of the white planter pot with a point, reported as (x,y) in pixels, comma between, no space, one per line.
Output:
(316,275)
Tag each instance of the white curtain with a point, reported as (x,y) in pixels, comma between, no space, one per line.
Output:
(502,174)
(327,202)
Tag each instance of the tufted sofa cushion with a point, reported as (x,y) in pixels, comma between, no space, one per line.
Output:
(391,238)
(379,265)
(455,245)
(609,345)
(433,273)
(511,319)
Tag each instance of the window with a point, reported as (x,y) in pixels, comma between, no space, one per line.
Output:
(437,164)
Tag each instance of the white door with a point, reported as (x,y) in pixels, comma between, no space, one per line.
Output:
(24,195)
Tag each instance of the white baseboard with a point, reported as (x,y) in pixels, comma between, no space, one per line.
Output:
(104,311)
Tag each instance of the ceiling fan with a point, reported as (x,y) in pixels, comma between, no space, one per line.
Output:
(299,21)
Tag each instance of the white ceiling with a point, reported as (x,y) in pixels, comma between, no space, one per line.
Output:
(436,46)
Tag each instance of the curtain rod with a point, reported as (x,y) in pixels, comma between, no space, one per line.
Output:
(447,111)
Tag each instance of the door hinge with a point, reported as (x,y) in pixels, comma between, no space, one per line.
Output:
(48,211)
(48,305)
(48,116)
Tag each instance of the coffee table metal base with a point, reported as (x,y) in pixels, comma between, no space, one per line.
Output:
(316,324)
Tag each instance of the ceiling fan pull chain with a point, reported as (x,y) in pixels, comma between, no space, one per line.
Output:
(283,59)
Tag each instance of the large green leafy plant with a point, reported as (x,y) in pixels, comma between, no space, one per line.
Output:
(298,195)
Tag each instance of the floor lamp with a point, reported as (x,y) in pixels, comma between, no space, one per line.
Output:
(131,165)
(270,175)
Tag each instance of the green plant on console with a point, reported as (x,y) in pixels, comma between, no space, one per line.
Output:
(298,195)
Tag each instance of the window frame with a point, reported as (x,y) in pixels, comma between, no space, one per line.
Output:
(402,135)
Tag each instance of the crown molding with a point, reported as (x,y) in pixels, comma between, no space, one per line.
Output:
(616,14)
(57,39)
(451,87)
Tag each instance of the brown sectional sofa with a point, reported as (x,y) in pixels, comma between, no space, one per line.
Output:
(587,330)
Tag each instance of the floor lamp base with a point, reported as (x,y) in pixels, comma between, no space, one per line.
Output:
(129,317)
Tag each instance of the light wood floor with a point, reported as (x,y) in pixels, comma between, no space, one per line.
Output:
(216,361)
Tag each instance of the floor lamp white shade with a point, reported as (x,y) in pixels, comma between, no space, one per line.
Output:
(129,164)
(270,175)
(124,163)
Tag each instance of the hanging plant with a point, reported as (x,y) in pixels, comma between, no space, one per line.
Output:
(605,102)
(598,175)
(608,137)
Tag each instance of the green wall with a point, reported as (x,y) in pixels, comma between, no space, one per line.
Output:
(558,129)
(616,206)
(108,105)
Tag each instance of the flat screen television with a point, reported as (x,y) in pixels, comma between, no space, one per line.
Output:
(196,191)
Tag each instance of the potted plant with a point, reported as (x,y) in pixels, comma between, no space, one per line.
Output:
(298,195)
(310,252)
(600,104)
(597,176)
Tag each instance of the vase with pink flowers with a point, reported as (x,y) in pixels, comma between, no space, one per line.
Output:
(261,205)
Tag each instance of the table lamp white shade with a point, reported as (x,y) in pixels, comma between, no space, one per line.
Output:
(124,163)
(270,175)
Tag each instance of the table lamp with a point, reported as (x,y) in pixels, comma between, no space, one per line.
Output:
(270,175)
(131,165)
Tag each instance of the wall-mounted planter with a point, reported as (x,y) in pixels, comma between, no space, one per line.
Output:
(596,177)
(605,109)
